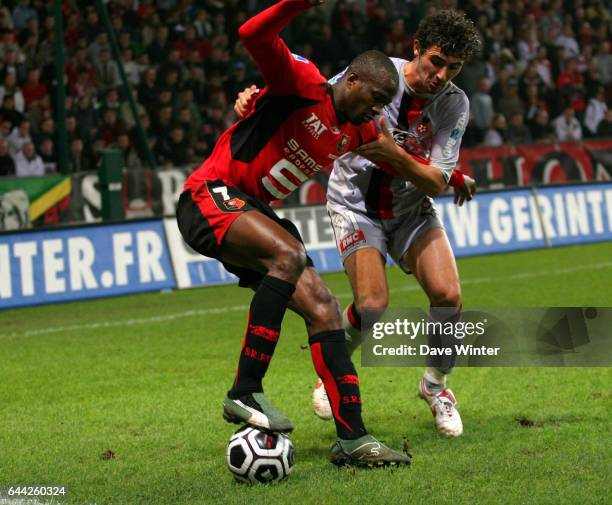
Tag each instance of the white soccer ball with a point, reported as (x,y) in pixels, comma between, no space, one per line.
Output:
(254,455)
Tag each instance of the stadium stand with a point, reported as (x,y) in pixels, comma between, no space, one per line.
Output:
(545,72)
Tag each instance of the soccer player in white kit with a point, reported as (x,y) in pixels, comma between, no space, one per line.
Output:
(375,213)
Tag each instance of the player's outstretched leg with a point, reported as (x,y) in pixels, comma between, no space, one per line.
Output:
(255,242)
(365,268)
(351,322)
(431,260)
(441,401)
(245,401)
(354,446)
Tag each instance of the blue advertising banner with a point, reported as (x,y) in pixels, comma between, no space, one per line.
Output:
(576,215)
(105,260)
(511,221)
(84,262)
(493,222)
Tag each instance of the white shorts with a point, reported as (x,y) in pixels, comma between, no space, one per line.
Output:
(356,230)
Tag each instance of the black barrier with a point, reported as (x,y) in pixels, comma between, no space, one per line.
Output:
(110,175)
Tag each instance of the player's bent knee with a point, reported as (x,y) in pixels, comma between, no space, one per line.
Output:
(326,303)
(376,303)
(446,296)
(289,262)
(323,308)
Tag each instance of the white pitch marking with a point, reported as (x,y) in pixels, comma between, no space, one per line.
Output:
(514,277)
(126,322)
(236,308)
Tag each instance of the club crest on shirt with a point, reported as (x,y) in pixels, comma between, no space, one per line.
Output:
(234,204)
(343,144)
(423,127)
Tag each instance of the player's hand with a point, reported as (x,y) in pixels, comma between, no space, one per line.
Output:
(245,100)
(382,150)
(465,191)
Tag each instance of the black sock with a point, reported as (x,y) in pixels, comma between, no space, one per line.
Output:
(334,367)
(263,329)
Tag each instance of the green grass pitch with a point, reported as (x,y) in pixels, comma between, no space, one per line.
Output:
(144,376)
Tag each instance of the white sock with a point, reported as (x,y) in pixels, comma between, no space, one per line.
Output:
(435,379)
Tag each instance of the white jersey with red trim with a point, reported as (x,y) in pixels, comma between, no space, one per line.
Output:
(429,127)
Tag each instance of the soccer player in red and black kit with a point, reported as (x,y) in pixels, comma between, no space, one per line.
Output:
(299,124)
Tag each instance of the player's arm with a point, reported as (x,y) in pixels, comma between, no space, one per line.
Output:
(260,36)
(385,151)
(246,98)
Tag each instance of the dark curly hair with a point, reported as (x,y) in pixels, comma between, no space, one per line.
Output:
(452,31)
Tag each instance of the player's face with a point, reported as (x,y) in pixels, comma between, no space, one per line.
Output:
(434,69)
(366,99)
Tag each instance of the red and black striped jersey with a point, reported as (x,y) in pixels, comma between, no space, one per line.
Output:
(293,131)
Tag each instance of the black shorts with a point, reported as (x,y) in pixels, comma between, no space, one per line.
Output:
(204,216)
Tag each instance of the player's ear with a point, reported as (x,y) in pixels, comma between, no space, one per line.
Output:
(416,47)
(351,79)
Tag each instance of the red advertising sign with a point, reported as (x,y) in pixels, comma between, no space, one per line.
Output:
(524,165)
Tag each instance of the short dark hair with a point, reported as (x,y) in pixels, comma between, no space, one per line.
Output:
(450,30)
(375,65)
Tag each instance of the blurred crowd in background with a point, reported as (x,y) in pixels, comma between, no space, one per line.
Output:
(544,74)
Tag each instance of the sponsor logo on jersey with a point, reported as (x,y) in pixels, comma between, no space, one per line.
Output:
(351,240)
(314,125)
(343,144)
(299,58)
(301,159)
(234,204)
(455,135)
(417,141)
